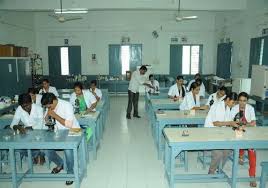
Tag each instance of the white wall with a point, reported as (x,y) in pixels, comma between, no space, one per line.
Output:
(240,27)
(98,29)
(17,28)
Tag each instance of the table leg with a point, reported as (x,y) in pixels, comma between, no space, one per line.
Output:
(159,140)
(94,142)
(13,167)
(76,169)
(235,167)
(172,168)
(83,155)
(30,161)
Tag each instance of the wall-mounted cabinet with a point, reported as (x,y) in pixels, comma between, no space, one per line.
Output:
(15,75)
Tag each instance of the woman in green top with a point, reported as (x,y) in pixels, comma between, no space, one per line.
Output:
(83,98)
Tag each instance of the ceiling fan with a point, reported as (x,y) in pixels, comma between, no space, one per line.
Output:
(179,17)
(59,14)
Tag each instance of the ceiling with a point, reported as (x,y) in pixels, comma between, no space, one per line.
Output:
(46,5)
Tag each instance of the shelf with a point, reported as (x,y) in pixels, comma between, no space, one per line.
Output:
(14,57)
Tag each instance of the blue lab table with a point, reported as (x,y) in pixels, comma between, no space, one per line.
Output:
(210,139)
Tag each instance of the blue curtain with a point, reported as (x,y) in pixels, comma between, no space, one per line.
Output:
(54,60)
(265,52)
(114,60)
(224,58)
(75,59)
(175,67)
(135,56)
(254,56)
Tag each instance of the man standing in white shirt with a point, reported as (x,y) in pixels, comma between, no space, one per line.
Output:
(46,88)
(137,79)
(94,90)
(31,116)
(62,112)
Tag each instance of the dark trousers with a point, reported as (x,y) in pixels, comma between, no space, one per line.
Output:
(133,99)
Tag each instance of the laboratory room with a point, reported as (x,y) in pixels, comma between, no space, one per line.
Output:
(134,94)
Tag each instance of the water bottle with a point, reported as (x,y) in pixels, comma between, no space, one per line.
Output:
(76,106)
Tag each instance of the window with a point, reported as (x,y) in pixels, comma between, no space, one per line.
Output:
(125,58)
(64,60)
(190,59)
(261,52)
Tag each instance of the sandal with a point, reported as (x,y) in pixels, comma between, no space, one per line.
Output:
(241,161)
(253,184)
(69,182)
(56,170)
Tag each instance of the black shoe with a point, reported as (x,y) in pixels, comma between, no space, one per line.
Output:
(128,117)
(56,170)
(69,182)
(136,116)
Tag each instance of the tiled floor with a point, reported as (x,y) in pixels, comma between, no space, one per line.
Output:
(127,157)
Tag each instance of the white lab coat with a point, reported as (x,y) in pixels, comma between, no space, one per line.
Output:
(50,90)
(38,99)
(98,92)
(88,96)
(218,112)
(188,101)
(173,90)
(35,119)
(136,80)
(155,84)
(249,112)
(214,97)
(202,91)
(65,110)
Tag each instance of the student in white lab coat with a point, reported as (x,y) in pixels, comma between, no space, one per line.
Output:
(178,90)
(94,90)
(214,98)
(219,115)
(245,114)
(62,112)
(154,83)
(36,98)
(197,78)
(31,116)
(87,101)
(191,101)
(46,88)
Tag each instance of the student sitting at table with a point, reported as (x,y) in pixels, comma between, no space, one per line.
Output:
(46,88)
(31,116)
(197,78)
(219,115)
(94,90)
(36,98)
(191,101)
(154,83)
(62,112)
(244,113)
(217,97)
(86,100)
(178,90)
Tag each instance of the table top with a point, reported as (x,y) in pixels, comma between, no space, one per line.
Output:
(219,134)
(8,108)
(165,101)
(181,114)
(39,139)
(168,101)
